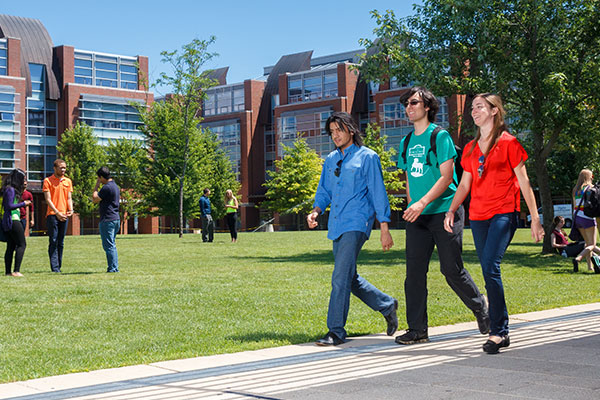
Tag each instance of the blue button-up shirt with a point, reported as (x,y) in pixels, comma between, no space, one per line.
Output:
(204,205)
(357,196)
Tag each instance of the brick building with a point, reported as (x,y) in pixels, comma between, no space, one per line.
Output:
(46,89)
(253,118)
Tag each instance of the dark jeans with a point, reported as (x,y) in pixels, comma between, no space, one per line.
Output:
(232,224)
(56,239)
(208,228)
(15,243)
(345,280)
(421,236)
(492,238)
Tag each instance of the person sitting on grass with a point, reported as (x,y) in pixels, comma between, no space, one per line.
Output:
(559,240)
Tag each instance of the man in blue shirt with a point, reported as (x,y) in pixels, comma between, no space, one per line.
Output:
(352,184)
(208,225)
(110,221)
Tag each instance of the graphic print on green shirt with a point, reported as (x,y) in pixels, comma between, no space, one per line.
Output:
(421,177)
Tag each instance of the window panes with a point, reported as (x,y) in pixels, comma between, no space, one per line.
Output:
(224,99)
(311,125)
(3,54)
(312,86)
(100,70)
(111,118)
(229,136)
(41,127)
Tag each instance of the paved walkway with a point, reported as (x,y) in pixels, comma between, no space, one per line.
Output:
(554,354)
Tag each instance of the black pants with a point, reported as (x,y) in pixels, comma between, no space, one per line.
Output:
(421,236)
(232,224)
(15,243)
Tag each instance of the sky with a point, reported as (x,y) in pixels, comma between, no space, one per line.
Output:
(249,34)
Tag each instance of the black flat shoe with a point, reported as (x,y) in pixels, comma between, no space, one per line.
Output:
(331,339)
(492,347)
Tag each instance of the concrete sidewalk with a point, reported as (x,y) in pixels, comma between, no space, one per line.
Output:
(554,354)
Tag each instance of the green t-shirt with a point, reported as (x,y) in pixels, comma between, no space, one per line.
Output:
(421,177)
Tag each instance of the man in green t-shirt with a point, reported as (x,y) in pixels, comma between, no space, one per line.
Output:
(430,187)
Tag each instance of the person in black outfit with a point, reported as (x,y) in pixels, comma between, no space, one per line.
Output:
(12,188)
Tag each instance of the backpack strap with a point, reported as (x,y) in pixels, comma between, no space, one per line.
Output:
(406,143)
(433,144)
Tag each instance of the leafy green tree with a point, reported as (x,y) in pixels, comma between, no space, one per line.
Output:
(127,160)
(391,174)
(541,56)
(83,155)
(218,174)
(293,185)
(172,130)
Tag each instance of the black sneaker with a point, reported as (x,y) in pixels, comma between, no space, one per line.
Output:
(483,317)
(412,336)
(392,320)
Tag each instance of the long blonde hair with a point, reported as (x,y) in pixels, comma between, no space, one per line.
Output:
(585,179)
(227,193)
(494,101)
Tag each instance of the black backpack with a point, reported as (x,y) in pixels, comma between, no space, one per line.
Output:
(433,148)
(591,201)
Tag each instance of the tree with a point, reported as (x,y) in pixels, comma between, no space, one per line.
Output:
(293,185)
(127,160)
(391,174)
(219,175)
(83,155)
(172,132)
(541,56)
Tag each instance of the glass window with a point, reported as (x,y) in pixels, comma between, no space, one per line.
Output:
(83,71)
(83,63)
(37,72)
(106,74)
(100,70)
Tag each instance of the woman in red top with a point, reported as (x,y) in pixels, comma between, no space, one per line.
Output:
(494,170)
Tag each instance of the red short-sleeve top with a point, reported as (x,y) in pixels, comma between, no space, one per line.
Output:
(497,190)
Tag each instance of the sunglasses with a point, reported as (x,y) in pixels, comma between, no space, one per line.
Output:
(412,103)
(338,169)
(481,165)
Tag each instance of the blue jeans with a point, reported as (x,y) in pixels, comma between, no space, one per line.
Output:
(108,234)
(492,238)
(56,240)
(345,280)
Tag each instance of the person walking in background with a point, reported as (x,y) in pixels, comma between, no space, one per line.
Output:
(27,196)
(352,184)
(208,225)
(57,190)
(586,225)
(12,189)
(430,187)
(110,221)
(494,170)
(231,207)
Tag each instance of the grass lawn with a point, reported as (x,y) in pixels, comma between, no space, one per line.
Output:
(177,298)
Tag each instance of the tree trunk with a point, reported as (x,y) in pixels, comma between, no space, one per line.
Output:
(181,207)
(543,181)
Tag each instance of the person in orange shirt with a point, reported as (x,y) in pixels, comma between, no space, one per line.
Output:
(57,190)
